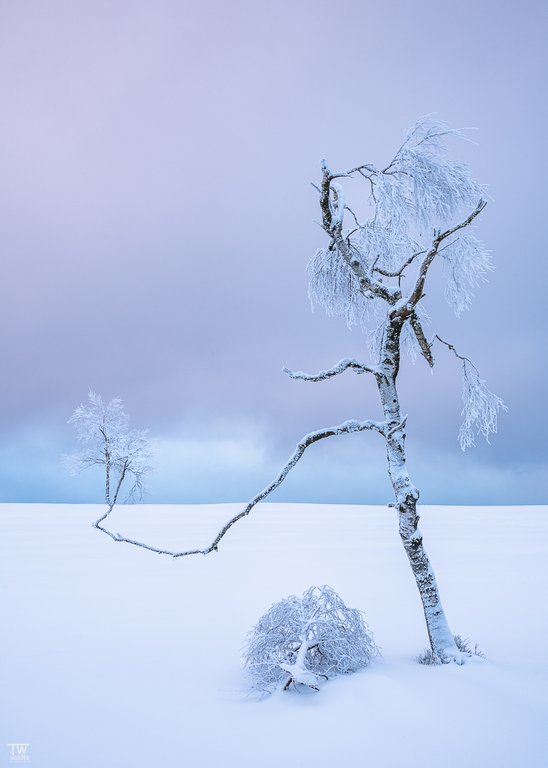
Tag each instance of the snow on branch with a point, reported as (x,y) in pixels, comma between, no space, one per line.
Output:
(342,366)
(481,406)
(346,427)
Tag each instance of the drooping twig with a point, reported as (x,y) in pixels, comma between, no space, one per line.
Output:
(481,406)
(349,209)
(346,427)
(453,350)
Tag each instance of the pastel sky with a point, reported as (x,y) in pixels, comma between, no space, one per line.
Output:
(157,218)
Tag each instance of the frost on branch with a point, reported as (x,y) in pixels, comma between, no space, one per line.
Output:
(336,288)
(466,263)
(436,186)
(383,245)
(481,407)
(302,640)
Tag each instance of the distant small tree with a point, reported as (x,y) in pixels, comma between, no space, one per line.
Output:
(301,640)
(107,441)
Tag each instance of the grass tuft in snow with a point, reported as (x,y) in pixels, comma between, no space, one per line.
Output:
(463,644)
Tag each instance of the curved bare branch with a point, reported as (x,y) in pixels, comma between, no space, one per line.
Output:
(341,429)
(341,366)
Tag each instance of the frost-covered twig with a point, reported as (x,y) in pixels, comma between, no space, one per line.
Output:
(480,405)
(346,427)
(342,366)
(466,263)
(451,347)
(399,272)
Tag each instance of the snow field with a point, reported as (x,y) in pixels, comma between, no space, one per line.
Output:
(114,656)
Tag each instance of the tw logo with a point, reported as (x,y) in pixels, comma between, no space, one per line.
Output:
(19,753)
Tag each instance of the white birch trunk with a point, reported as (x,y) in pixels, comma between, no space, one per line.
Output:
(441,639)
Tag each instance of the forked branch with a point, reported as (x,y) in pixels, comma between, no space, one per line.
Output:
(417,292)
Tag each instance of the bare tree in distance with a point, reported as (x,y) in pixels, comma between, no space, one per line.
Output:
(106,440)
(373,272)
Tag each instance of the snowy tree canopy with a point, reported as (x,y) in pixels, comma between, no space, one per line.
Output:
(106,439)
(374,271)
(421,191)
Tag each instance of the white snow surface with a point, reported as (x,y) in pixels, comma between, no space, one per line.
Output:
(113,656)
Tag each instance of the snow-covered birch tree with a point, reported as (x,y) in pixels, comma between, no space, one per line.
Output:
(422,208)
(106,440)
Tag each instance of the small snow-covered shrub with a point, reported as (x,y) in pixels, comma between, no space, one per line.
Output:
(305,639)
(463,644)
